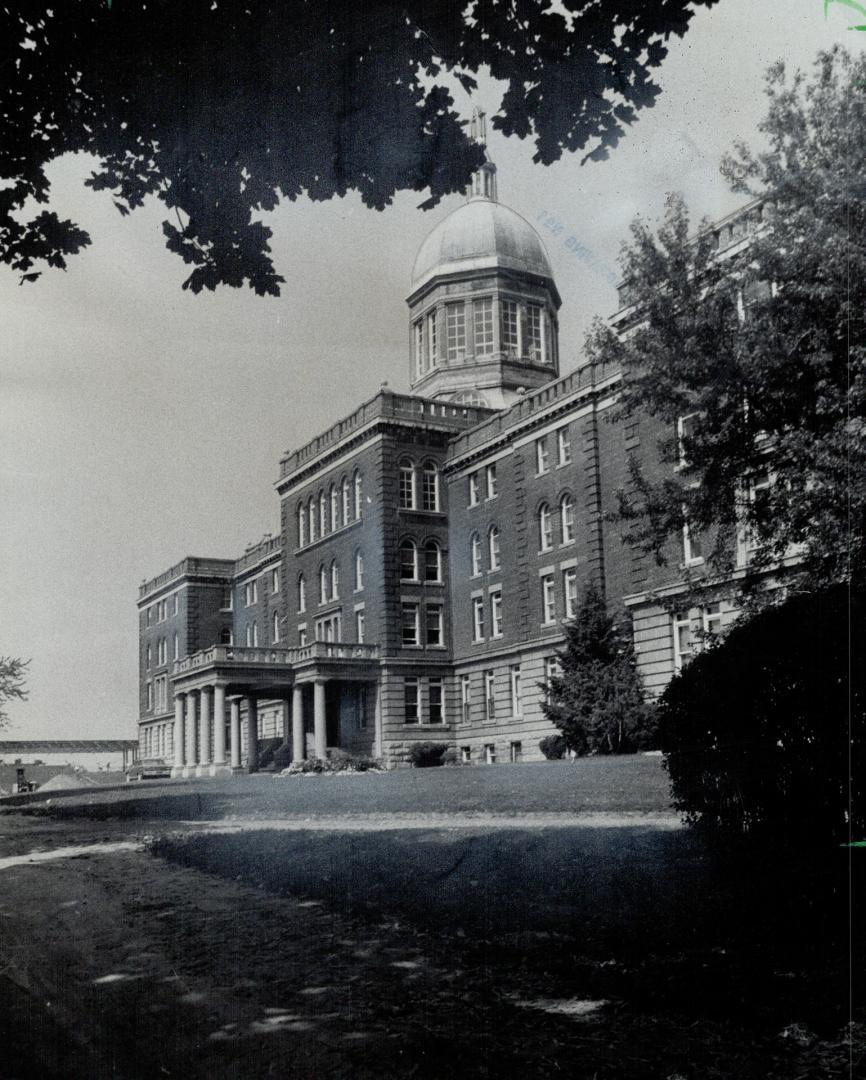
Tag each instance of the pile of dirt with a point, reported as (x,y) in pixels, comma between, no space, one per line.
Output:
(66,781)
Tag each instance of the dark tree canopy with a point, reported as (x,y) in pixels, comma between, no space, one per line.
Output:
(13,672)
(765,350)
(223,109)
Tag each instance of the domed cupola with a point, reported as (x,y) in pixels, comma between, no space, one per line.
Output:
(483,302)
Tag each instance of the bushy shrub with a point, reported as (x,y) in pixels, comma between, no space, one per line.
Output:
(337,761)
(424,755)
(553,747)
(597,701)
(451,757)
(763,734)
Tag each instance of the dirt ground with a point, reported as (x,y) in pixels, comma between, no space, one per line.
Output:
(290,929)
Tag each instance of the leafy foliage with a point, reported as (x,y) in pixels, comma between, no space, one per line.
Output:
(424,755)
(553,747)
(13,672)
(758,730)
(764,343)
(597,701)
(221,110)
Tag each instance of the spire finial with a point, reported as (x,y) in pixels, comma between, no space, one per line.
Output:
(484,179)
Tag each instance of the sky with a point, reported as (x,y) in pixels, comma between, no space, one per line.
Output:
(140,424)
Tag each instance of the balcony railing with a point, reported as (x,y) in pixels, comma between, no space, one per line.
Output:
(242,654)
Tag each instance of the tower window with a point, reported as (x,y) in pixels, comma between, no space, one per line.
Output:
(434,629)
(548,600)
(455,331)
(510,327)
(542,457)
(545,528)
(569,586)
(483,312)
(408,561)
(356,483)
(410,701)
(344,491)
(496,614)
(432,561)
(311,514)
(436,714)
(431,340)
(493,544)
(535,332)
(323,514)
(410,624)
(302,593)
(359,570)
(566,508)
(418,335)
(478,618)
(335,508)
(475,553)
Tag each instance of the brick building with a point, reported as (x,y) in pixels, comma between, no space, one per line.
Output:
(431,544)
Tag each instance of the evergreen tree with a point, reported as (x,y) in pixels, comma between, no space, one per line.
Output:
(763,346)
(597,701)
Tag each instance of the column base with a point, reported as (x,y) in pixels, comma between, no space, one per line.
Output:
(203,769)
(177,771)
(188,771)
(219,768)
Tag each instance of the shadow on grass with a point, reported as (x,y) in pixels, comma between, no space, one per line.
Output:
(184,806)
(642,914)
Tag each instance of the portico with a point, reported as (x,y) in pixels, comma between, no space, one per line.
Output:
(208,742)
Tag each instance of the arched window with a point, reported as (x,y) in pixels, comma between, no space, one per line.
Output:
(335,580)
(149,656)
(432,561)
(302,525)
(430,486)
(302,593)
(493,548)
(545,528)
(408,561)
(311,515)
(226,635)
(357,487)
(566,513)
(407,484)
(323,514)
(359,570)
(335,508)
(275,637)
(323,584)
(475,553)
(347,499)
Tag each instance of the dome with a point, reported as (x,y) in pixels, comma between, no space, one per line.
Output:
(480,235)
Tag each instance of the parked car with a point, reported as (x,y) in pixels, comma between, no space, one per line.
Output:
(148,769)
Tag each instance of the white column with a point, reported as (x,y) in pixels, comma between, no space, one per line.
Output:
(378,748)
(298,738)
(235,732)
(204,730)
(252,732)
(320,737)
(219,725)
(178,736)
(190,733)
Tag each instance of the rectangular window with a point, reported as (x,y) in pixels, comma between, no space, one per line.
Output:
(490,753)
(552,670)
(569,587)
(563,446)
(430,488)
(693,551)
(542,456)
(302,636)
(483,312)
(431,340)
(478,618)
(435,711)
(687,427)
(534,333)
(407,486)
(410,624)
(684,640)
(515,752)
(174,604)
(490,473)
(496,614)
(359,627)
(455,331)
(473,492)
(275,581)
(410,701)
(465,754)
(516,702)
(435,634)
(465,699)
(712,619)
(509,329)
(747,541)
(548,600)
(489,695)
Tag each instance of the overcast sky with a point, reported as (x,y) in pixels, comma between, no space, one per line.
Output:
(139,423)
